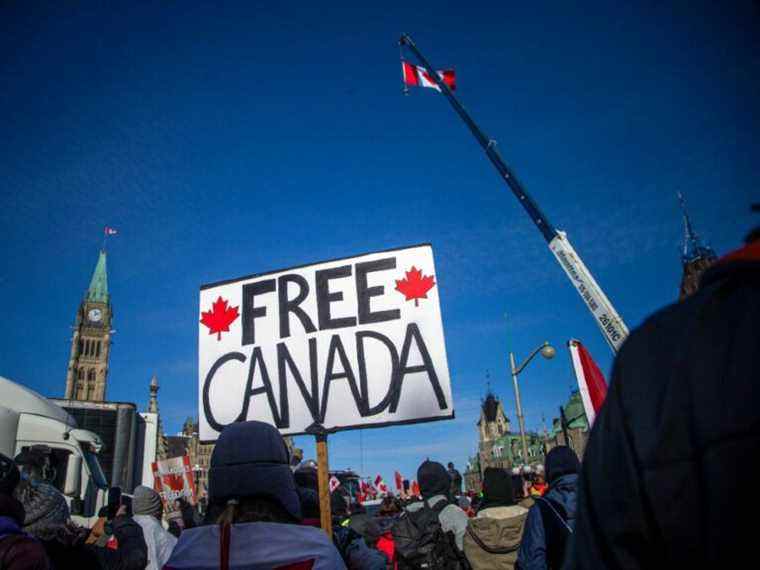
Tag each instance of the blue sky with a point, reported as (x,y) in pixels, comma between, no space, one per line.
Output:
(224,141)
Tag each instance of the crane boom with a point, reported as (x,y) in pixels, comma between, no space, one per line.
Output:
(612,326)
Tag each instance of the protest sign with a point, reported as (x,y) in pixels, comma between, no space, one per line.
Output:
(348,343)
(173,479)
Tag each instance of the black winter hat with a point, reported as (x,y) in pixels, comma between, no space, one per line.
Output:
(9,475)
(560,461)
(433,479)
(497,488)
(251,459)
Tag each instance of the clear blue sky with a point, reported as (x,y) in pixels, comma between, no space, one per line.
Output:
(238,139)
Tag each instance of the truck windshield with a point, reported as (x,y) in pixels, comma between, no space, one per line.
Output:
(97,473)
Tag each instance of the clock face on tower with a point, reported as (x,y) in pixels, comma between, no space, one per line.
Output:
(95,315)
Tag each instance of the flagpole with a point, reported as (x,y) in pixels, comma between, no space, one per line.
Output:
(607,318)
(489,145)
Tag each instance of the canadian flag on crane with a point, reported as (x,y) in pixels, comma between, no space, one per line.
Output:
(416,76)
(591,382)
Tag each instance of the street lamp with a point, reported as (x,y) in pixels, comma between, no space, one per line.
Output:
(548,352)
(197,476)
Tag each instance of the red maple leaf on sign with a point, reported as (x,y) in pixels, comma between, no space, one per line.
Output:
(219,318)
(414,285)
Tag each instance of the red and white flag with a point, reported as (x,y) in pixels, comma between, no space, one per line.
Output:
(591,382)
(416,76)
(368,489)
(380,485)
(414,489)
(110,231)
(334,483)
(399,480)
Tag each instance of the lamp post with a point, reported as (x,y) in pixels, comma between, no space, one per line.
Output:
(196,481)
(548,352)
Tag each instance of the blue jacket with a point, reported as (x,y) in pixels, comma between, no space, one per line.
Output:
(533,554)
(355,552)
(255,546)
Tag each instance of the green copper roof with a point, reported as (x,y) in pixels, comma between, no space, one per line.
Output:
(98,289)
(574,414)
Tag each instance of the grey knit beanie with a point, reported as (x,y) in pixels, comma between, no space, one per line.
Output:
(146,501)
(45,507)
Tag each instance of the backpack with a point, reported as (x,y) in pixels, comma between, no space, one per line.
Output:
(421,543)
(556,530)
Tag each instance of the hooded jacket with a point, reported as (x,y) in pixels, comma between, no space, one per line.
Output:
(256,545)
(493,537)
(18,551)
(678,434)
(159,541)
(533,554)
(434,485)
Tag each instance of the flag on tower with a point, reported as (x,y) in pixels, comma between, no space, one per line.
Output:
(416,76)
(591,382)
(110,231)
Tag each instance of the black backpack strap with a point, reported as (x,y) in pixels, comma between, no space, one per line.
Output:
(556,530)
(558,511)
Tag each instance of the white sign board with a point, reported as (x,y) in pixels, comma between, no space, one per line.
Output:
(349,343)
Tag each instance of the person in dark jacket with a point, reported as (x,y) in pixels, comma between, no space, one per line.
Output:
(18,551)
(456,480)
(493,537)
(47,519)
(255,509)
(435,485)
(551,519)
(664,482)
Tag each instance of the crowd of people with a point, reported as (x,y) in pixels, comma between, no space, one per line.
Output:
(263,514)
(658,486)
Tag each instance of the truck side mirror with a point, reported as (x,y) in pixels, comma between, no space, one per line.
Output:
(73,482)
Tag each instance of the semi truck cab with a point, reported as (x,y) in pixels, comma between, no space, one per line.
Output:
(30,423)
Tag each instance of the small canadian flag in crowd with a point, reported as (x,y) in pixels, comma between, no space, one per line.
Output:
(334,483)
(380,484)
(399,480)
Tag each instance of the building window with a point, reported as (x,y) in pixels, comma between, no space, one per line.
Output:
(97,350)
(80,346)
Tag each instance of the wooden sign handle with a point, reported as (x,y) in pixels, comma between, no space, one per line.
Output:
(323,473)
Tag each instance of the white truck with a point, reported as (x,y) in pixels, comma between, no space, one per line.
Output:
(29,420)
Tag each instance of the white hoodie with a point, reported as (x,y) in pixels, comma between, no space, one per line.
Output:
(160,541)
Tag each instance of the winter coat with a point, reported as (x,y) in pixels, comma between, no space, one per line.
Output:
(127,549)
(537,537)
(67,549)
(158,541)
(493,538)
(451,517)
(18,551)
(256,545)
(355,552)
(678,434)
